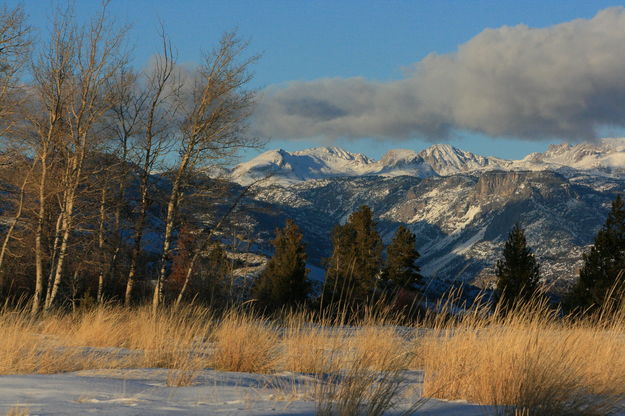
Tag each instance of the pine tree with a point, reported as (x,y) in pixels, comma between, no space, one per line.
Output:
(604,263)
(340,267)
(356,258)
(284,281)
(517,272)
(401,267)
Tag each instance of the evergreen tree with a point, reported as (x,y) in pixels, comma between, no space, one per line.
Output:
(356,258)
(284,281)
(517,272)
(604,263)
(401,267)
(340,267)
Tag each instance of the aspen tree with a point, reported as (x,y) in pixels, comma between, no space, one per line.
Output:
(214,112)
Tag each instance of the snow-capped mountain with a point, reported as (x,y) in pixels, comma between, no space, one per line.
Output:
(285,167)
(447,160)
(460,205)
(461,221)
(328,162)
(606,156)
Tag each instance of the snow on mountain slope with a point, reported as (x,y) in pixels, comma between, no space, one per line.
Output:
(460,205)
(282,167)
(605,157)
(317,163)
(447,160)
(461,221)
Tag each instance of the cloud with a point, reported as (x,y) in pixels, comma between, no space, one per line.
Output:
(564,81)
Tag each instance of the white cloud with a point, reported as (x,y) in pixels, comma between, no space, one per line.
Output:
(564,81)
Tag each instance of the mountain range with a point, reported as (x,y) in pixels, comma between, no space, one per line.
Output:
(606,157)
(460,205)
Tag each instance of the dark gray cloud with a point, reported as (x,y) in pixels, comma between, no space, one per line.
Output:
(564,81)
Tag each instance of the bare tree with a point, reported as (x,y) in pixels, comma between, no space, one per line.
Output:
(124,124)
(17,216)
(14,47)
(106,181)
(213,125)
(85,127)
(65,105)
(98,55)
(44,124)
(161,85)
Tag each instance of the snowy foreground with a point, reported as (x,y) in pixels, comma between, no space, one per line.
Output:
(145,392)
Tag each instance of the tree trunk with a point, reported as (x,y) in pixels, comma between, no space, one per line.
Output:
(117,231)
(74,176)
(187,278)
(169,227)
(39,235)
(172,206)
(58,273)
(16,218)
(136,249)
(55,251)
(100,295)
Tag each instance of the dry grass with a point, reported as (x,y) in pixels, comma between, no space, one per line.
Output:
(94,339)
(528,361)
(18,411)
(357,389)
(168,337)
(245,343)
(358,369)
(185,369)
(310,348)
(23,349)
(380,348)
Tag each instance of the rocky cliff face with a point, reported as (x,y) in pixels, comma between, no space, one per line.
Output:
(461,221)
(460,205)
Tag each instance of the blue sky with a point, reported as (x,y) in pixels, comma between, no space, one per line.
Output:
(310,40)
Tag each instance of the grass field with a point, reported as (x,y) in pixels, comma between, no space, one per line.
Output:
(530,361)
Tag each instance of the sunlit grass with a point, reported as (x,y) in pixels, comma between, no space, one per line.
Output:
(530,360)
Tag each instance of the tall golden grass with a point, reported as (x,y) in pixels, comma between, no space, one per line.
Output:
(308,348)
(18,411)
(529,360)
(359,390)
(245,343)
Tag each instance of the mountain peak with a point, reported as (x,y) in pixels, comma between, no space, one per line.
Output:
(395,156)
(332,152)
(322,149)
(448,160)
(441,147)
(316,163)
(606,157)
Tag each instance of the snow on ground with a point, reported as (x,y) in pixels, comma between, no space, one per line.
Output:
(145,392)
